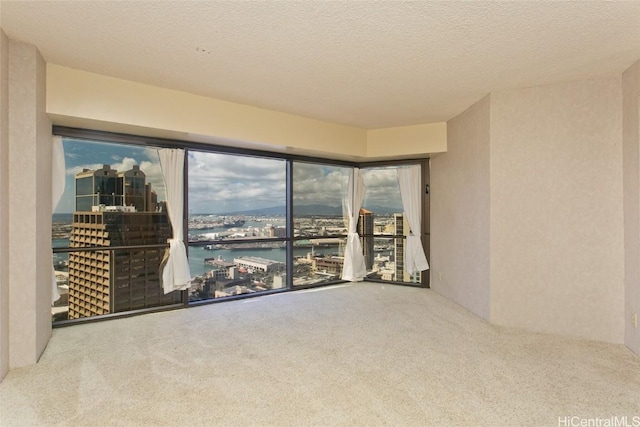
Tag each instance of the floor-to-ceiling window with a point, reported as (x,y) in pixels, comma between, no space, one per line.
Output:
(319,225)
(236,224)
(110,228)
(386,229)
(254,222)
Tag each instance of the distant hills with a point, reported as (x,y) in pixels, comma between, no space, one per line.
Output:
(309,210)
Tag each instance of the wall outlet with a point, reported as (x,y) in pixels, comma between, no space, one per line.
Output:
(440,276)
(634,320)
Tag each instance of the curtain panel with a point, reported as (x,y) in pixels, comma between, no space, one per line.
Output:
(175,272)
(354,268)
(409,181)
(58,174)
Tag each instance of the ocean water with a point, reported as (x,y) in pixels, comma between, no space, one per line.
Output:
(64,217)
(198,254)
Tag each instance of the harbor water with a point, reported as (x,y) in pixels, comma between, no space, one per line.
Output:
(198,254)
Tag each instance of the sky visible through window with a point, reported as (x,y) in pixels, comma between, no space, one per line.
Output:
(81,154)
(227,184)
(237,218)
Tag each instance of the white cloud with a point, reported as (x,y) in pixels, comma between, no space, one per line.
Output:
(318,184)
(153,171)
(223,183)
(381,187)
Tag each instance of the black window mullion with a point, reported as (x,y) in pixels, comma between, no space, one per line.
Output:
(289,222)
(185,216)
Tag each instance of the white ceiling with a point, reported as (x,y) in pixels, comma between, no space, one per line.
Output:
(370,64)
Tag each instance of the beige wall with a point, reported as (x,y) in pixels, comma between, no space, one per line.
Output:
(4,205)
(556,209)
(407,141)
(30,206)
(631,162)
(74,95)
(527,210)
(44,152)
(80,99)
(460,212)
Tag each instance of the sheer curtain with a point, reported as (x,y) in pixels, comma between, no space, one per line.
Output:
(410,189)
(354,268)
(57,188)
(176,274)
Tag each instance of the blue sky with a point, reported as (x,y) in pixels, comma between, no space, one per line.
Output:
(81,154)
(220,183)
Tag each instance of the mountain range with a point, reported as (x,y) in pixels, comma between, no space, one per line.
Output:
(308,210)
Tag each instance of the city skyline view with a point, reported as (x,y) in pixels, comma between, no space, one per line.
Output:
(236,203)
(225,184)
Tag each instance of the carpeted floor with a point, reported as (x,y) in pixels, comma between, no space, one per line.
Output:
(364,354)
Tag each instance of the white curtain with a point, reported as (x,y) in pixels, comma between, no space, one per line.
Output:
(57,188)
(410,189)
(354,268)
(175,274)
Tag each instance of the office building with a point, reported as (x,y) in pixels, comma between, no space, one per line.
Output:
(108,187)
(103,282)
(365,227)
(399,226)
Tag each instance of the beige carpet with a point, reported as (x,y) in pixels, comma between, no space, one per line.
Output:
(364,354)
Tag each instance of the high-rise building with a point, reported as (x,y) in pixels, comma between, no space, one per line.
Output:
(110,281)
(398,245)
(151,199)
(97,187)
(401,227)
(365,227)
(109,187)
(131,184)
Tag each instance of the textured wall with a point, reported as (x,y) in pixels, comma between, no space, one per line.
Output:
(80,99)
(460,212)
(77,97)
(407,140)
(556,209)
(4,205)
(43,153)
(30,206)
(631,169)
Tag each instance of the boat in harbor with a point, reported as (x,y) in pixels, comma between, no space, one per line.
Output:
(233,223)
(246,247)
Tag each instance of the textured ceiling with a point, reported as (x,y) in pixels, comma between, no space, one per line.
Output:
(370,64)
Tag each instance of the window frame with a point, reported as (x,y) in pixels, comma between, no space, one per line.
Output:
(155,142)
